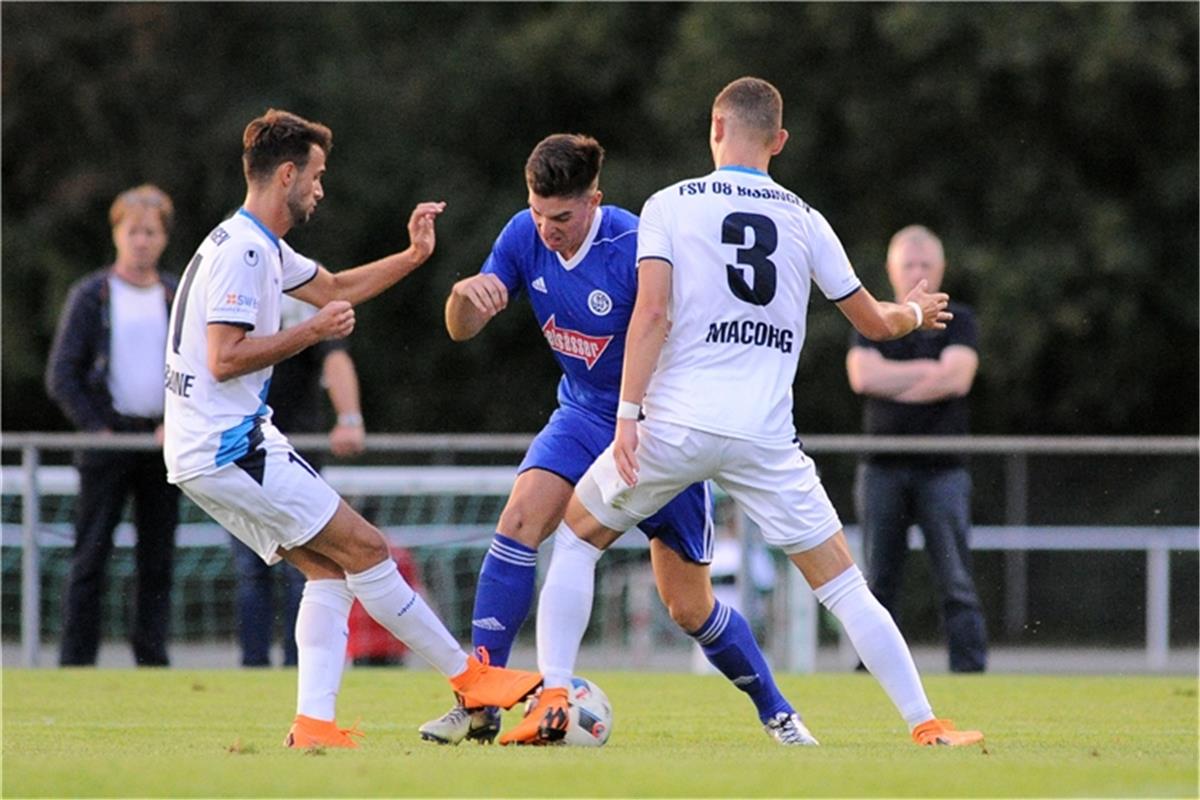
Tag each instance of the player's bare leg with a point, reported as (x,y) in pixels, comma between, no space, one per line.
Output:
(504,592)
(726,638)
(839,585)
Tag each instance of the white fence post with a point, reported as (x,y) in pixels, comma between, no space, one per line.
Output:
(1158,595)
(31,569)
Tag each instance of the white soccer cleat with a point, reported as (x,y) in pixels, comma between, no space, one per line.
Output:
(789,729)
(479,724)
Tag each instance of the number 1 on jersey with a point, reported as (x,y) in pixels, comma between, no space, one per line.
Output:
(760,289)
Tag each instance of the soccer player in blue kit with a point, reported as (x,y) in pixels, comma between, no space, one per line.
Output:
(575,260)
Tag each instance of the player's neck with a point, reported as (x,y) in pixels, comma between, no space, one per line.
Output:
(732,155)
(270,212)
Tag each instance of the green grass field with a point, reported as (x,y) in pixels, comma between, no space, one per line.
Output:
(180,733)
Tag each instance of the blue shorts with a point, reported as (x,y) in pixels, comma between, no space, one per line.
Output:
(569,444)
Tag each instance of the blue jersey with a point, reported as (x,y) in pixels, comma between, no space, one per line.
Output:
(582,305)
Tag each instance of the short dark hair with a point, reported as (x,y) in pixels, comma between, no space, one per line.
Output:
(755,103)
(277,137)
(564,165)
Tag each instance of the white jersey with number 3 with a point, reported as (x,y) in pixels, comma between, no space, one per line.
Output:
(743,251)
(237,277)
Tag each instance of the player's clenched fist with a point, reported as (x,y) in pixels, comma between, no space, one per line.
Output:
(335,320)
(421,232)
(484,291)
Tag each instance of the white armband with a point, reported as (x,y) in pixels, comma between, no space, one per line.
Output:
(628,410)
(916,307)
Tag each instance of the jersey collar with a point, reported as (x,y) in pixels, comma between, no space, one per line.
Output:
(582,252)
(747,170)
(270,235)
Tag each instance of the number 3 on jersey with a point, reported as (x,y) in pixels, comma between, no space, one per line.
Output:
(760,290)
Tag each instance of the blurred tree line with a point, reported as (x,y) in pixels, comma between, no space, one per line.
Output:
(1053,146)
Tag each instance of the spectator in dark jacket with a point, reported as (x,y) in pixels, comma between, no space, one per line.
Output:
(106,373)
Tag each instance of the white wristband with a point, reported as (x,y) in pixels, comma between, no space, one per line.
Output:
(628,410)
(350,420)
(916,307)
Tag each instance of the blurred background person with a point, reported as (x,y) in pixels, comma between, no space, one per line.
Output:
(105,371)
(295,401)
(918,385)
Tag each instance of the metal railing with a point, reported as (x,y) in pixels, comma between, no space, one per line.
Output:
(1016,537)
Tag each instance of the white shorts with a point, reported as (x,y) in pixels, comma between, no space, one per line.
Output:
(290,505)
(776,485)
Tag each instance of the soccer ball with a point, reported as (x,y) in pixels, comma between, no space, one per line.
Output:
(589,714)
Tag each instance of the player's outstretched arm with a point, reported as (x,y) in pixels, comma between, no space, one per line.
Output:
(360,284)
(879,320)
(231,353)
(472,303)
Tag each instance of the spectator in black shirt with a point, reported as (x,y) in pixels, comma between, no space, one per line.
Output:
(918,385)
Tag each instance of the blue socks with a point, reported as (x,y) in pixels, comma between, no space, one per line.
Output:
(729,645)
(502,596)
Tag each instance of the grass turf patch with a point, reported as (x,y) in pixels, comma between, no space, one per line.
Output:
(183,733)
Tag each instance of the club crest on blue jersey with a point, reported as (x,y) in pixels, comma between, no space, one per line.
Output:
(574,344)
(599,302)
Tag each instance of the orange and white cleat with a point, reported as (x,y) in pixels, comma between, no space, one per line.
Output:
(481,684)
(942,732)
(545,721)
(308,732)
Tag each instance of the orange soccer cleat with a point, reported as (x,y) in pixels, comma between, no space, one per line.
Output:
(942,732)
(309,732)
(481,684)
(545,722)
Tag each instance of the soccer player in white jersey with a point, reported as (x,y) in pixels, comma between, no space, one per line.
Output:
(223,452)
(575,259)
(725,262)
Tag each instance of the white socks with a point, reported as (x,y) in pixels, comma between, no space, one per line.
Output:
(321,631)
(878,641)
(565,606)
(394,604)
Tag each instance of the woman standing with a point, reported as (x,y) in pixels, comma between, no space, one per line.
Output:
(106,374)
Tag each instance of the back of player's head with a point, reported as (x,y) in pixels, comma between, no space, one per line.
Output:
(146,196)
(277,137)
(564,165)
(754,103)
